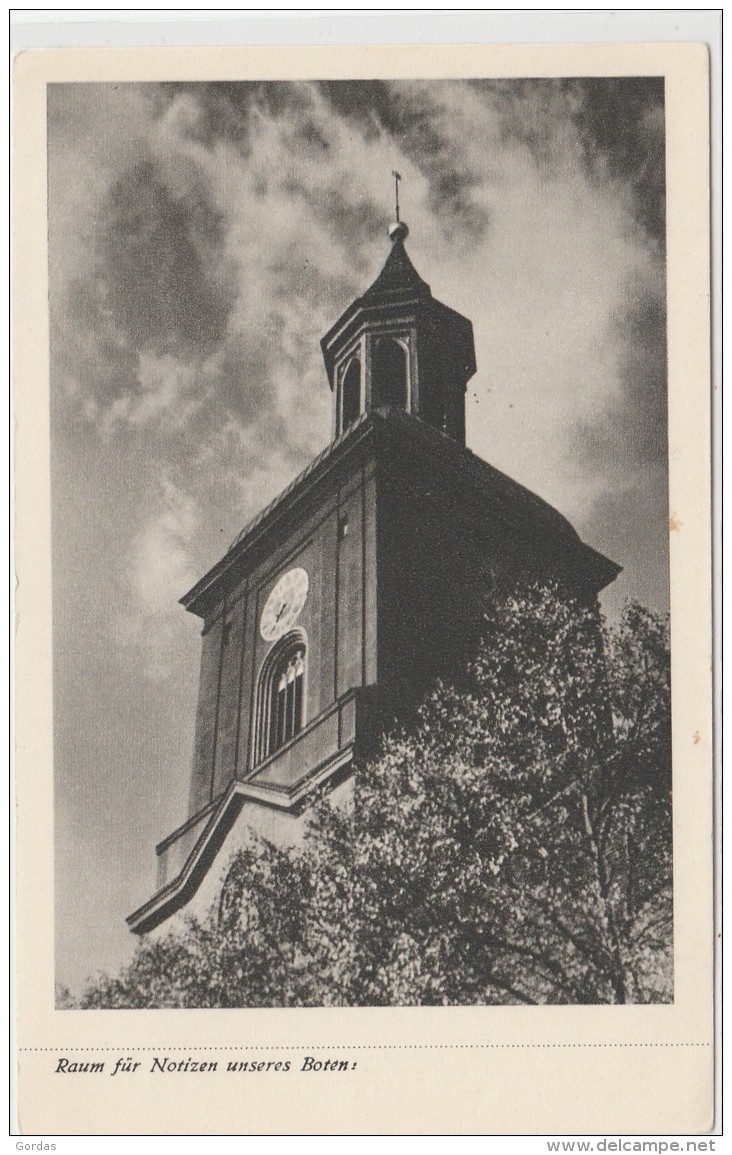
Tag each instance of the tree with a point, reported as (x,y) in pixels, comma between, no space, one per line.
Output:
(511,844)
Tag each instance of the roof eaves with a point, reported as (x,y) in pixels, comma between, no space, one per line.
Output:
(329,456)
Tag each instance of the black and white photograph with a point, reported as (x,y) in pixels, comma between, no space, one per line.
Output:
(360,543)
(364,540)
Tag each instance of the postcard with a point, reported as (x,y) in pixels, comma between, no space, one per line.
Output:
(364,704)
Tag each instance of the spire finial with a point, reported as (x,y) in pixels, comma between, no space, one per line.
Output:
(397,177)
(397,231)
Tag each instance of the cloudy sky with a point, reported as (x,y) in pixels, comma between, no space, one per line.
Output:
(202,237)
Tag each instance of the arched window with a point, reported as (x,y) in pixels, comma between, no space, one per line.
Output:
(351,395)
(389,374)
(281,694)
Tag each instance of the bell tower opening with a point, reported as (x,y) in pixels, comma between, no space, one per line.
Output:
(389,374)
(350,395)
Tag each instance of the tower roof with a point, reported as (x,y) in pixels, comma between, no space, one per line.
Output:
(398,274)
(403,438)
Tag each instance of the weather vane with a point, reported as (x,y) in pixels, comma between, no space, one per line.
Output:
(397,177)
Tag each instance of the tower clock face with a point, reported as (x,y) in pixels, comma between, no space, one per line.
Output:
(284,604)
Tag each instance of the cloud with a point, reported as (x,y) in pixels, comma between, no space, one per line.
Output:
(170,390)
(631,435)
(160,568)
(159,245)
(622,127)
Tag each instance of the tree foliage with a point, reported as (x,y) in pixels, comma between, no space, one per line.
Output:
(512,844)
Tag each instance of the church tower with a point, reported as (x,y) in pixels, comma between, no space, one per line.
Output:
(364,581)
